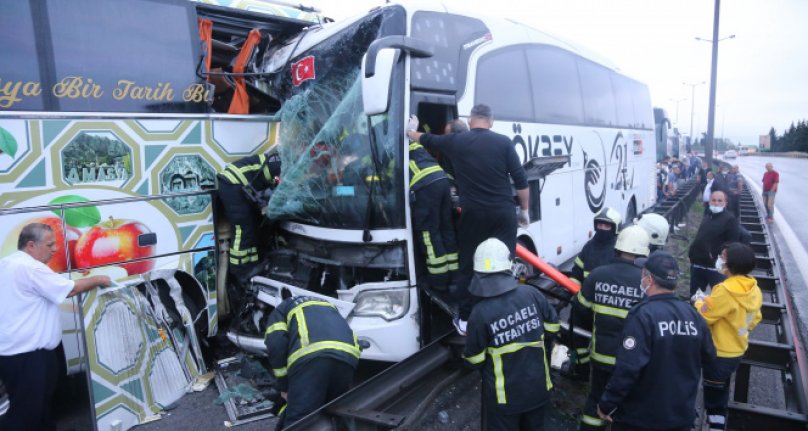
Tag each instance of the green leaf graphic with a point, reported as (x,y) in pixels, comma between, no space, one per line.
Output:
(8,144)
(80,216)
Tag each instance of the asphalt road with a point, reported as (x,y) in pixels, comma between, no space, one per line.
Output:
(789,228)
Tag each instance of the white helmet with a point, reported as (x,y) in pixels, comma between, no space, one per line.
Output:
(656,226)
(492,255)
(634,240)
(610,216)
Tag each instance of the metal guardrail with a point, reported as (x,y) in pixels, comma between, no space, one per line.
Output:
(675,210)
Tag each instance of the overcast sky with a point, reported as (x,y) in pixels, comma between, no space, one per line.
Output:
(762,72)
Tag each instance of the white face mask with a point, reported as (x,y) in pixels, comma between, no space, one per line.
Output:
(719,264)
(644,287)
(715,209)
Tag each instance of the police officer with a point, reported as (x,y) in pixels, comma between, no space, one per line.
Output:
(665,344)
(510,331)
(657,228)
(596,252)
(606,296)
(313,353)
(431,202)
(242,188)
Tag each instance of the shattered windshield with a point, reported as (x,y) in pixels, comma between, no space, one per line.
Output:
(340,168)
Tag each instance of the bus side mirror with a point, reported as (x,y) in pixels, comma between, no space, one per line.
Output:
(377,69)
(376,88)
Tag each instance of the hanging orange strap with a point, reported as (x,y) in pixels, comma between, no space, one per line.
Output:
(241,101)
(206,34)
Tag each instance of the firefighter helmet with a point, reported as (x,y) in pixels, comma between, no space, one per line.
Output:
(492,255)
(610,216)
(633,240)
(656,226)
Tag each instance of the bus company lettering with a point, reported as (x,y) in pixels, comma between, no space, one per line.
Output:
(10,91)
(678,327)
(129,89)
(514,325)
(74,87)
(616,295)
(540,145)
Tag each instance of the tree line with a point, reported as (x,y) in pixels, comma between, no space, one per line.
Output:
(795,138)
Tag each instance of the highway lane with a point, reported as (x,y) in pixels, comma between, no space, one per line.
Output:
(789,228)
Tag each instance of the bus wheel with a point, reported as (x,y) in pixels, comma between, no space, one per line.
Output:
(521,269)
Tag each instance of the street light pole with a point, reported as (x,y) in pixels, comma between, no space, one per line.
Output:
(708,145)
(677,108)
(692,104)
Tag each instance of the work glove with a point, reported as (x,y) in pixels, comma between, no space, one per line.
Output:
(412,125)
(524,219)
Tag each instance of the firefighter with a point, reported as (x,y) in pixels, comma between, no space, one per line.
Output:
(596,252)
(662,350)
(243,189)
(510,332)
(657,228)
(606,297)
(431,202)
(313,353)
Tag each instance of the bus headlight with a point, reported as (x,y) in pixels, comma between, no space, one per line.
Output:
(388,304)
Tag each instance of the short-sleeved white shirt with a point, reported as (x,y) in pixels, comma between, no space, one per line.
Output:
(30,294)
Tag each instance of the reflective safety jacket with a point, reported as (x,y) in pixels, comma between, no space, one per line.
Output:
(258,171)
(594,254)
(302,328)
(424,169)
(664,346)
(506,339)
(607,295)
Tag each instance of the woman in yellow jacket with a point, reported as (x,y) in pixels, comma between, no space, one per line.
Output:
(731,310)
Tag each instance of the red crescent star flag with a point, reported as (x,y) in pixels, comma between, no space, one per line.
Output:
(303,70)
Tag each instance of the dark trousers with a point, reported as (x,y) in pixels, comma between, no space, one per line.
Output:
(716,389)
(531,420)
(734,205)
(590,420)
(245,224)
(700,278)
(434,231)
(30,380)
(476,226)
(313,384)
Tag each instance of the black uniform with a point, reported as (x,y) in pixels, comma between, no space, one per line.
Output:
(485,162)
(313,354)
(506,339)
(607,295)
(715,231)
(596,252)
(431,202)
(239,184)
(664,346)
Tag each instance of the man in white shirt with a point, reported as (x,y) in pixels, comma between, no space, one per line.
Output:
(30,330)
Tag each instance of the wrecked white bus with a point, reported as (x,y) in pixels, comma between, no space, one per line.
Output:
(583,130)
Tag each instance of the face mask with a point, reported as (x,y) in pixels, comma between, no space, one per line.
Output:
(644,287)
(716,210)
(719,264)
(603,235)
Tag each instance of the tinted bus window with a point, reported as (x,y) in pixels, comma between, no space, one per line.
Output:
(503,84)
(556,91)
(643,113)
(141,56)
(597,91)
(103,55)
(623,98)
(20,83)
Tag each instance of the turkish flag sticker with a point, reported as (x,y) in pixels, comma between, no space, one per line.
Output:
(303,70)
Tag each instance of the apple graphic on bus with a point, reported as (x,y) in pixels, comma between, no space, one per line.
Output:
(115,241)
(58,262)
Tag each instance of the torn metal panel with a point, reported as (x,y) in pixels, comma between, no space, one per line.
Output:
(142,352)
